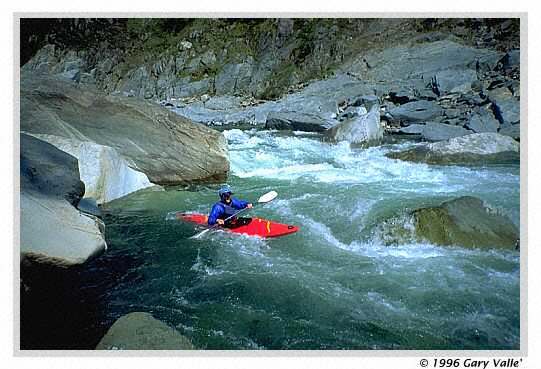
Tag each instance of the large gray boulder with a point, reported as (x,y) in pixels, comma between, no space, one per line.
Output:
(467,222)
(476,148)
(290,120)
(52,229)
(167,148)
(363,129)
(141,331)
(416,111)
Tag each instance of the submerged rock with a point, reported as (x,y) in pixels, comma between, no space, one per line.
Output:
(467,222)
(52,229)
(476,148)
(150,139)
(141,331)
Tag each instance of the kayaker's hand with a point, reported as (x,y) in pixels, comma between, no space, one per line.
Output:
(249,206)
(220,221)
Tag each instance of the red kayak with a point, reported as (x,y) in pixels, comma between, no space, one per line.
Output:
(248,226)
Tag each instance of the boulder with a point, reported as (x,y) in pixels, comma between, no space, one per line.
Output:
(49,171)
(412,129)
(364,129)
(295,121)
(105,173)
(506,106)
(483,121)
(141,331)
(476,148)
(453,80)
(467,222)
(52,229)
(416,111)
(368,101)
(511,130)
(167,148)
(434,131)
(511,59)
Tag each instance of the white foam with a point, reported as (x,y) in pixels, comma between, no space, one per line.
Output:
(296,157)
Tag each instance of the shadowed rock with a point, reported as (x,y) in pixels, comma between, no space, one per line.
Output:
(141,331)
(52,229)
(295,121)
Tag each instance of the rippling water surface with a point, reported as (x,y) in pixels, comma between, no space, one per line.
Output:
(347,280)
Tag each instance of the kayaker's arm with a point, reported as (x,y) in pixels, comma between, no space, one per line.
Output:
(215,213)
(240,204)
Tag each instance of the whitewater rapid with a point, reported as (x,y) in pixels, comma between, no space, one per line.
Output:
(353,277)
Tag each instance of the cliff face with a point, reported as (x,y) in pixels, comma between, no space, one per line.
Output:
(261,58)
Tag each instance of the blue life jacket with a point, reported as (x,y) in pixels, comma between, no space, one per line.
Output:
(221,210)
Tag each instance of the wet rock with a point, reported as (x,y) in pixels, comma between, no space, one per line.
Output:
(52,230)
(416,111)
(295,121)
(364,129)
(467,222)
(141,331)
(476,148)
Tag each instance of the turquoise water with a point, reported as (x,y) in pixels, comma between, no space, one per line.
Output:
(354,277)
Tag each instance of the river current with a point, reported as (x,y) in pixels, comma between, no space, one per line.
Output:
(353,277)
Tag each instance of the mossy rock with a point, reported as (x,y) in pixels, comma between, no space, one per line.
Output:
(466,222)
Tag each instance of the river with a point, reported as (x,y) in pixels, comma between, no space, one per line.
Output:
(353,277)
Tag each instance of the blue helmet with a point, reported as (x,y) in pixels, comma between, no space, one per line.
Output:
(225,189)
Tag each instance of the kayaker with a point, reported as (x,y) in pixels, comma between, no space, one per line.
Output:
(226,207)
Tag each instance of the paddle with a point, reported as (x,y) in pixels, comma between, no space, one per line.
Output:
(268,197)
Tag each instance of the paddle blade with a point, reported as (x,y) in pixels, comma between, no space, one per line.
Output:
(269,196)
